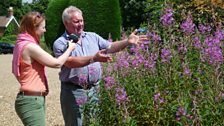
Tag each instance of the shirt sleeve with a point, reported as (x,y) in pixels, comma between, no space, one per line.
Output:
(59,46)
(103,43)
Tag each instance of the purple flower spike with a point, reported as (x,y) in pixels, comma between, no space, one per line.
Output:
(110,81)
(166,55)
(121,96)
(181,111)
(188,26)
(81,100)
(167,18)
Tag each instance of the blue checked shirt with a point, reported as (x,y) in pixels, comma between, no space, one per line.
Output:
(91,44)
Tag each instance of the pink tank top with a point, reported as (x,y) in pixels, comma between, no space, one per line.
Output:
(32,77)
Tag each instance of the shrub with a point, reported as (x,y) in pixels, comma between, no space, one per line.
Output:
(9,38)
(54,24)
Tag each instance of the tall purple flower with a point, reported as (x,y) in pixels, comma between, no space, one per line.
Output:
(182,48)
(188,26)
(180,112)
(122,61)
(204,28)
(186,70)
(138,60)
(154,36)
(158,100)
(166,55)
(156,96)
(197,42)
(151,62)
(134,49)
(167,18)
(219,34)
(83,80)
(93,74)
(81,100)
(142,46)
(109,69)
(212,51)
(110,81)
(121,96)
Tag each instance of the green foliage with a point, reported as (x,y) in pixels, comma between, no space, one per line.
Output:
(100,16)
(54,24)
(204,10)
(16,4)
(39,5)
(44,46)
(107,114)
(9,38)
(12,29)
(153,10)
(133,13)
(21,9)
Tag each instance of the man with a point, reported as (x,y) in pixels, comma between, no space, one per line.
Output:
(81,73)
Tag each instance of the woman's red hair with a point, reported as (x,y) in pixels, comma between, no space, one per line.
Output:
(30,22)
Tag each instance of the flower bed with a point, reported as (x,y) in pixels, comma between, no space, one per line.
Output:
(175,78)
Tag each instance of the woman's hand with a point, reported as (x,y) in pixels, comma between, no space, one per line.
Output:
(71,45)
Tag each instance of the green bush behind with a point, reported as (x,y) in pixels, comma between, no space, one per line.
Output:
(54,24)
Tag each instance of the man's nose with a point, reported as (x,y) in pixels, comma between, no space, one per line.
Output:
(80,23)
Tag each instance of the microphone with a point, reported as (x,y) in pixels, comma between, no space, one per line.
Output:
(72,37)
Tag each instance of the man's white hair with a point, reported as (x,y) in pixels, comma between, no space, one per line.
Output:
(67,11)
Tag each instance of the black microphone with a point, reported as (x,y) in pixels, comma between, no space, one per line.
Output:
(74,38)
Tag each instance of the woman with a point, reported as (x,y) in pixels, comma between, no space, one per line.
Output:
(29,60)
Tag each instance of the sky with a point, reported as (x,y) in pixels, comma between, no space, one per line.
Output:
(27,1)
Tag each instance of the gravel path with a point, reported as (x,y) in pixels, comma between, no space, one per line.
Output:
(9,89)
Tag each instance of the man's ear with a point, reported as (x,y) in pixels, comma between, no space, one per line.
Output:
(65,23)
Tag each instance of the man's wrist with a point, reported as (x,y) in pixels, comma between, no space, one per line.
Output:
(91,60)
(127,41)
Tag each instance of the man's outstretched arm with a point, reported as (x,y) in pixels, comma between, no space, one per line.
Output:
(81,61)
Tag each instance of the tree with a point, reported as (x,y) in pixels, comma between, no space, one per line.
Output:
(16,4)
(21,9)
(40,5)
